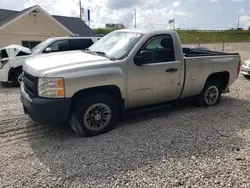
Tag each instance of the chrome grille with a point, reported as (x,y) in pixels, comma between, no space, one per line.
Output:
(30,84)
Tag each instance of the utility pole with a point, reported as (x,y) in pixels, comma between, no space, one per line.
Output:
(135,18)
(238,24)
(80,4)
(81,9)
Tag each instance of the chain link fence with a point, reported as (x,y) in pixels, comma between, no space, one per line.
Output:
(217,40)
(223,46)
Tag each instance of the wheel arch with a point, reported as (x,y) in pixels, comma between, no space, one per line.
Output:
(112,90)
(221,77)
(12,71)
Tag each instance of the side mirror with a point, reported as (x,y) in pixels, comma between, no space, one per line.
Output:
(139,61)
(47,50)
(144,57)
(147,55)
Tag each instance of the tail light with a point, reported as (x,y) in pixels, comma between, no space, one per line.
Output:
(239,67)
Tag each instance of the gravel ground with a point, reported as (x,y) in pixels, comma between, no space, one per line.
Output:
(174,146)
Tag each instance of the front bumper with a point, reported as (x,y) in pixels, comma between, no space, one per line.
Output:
(45,111)
(245,70)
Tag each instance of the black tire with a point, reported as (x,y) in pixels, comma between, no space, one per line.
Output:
(201,99)
(81,107)
(247,76)
(5,84)
(15,76)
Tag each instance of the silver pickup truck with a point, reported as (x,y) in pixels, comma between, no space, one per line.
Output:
(124,70)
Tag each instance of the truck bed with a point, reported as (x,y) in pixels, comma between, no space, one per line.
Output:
(200,64)
(189,52)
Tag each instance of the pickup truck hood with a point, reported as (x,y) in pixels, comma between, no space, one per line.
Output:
(62,61)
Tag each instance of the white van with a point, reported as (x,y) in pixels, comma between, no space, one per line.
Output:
(12,57)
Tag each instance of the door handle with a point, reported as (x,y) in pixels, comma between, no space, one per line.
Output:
(171,70)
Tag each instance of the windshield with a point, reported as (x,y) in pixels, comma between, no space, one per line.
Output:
(116,45)
(40,46)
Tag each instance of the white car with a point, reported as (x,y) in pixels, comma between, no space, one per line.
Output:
(12,57)
(245,69)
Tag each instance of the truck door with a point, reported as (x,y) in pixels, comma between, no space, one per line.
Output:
(157,79)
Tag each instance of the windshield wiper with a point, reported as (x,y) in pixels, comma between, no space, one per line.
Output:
(96,52)
(99,53)
(87,50)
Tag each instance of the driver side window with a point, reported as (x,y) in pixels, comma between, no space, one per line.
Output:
(154,44)
(161,49)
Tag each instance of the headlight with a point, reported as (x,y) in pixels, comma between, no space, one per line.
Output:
(51,87)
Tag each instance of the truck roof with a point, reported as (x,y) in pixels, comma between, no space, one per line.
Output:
(73,37)
(147,31)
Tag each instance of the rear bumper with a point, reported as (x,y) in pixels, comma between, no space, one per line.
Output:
(45,111)
(245,70)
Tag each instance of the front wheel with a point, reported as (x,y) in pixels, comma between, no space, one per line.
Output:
(210,95)
(94,115)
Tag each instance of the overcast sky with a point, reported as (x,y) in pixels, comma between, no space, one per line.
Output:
(198,14)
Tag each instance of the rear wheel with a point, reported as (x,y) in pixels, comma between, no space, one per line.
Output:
(210,95)
(246,76)
(94,115)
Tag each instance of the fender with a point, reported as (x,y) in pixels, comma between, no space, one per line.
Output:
(84,79)
(16,63)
